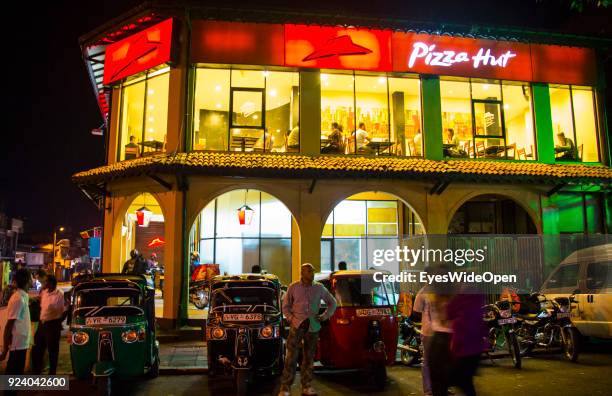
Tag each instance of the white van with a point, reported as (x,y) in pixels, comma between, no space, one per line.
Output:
(586,273)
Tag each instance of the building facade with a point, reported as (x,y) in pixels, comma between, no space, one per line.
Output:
(276,140)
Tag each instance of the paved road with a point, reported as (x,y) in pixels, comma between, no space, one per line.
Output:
(545,375)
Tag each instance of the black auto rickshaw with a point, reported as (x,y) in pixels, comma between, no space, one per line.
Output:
(243,329)
(112,328)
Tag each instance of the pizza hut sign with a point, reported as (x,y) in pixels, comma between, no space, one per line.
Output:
(437,57)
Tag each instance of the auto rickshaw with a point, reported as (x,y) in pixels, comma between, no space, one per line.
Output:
(112,328)
(243,329)
(362,333)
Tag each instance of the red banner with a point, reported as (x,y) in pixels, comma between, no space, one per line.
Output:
(564,65)
(139,52)
(337,48)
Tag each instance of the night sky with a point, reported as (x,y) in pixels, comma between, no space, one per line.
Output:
(51,106)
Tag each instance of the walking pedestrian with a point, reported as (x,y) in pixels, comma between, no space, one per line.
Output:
(48,336)
(465,312)
(422,304)
(17,333)
(301,306)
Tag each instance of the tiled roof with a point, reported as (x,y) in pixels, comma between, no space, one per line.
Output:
(337,166)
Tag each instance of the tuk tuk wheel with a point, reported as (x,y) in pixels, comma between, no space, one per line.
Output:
(104,386)
(201,300)
(154,370)
(378,373)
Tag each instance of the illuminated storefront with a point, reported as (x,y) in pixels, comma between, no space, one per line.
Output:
(338,139)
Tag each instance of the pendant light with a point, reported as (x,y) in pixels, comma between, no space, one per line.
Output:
(245,213)
(143,215)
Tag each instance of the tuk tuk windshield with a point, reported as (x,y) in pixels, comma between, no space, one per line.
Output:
(243,298)
(101,302)
(363,292)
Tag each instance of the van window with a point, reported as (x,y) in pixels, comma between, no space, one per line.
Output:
(599,275)
(566,276)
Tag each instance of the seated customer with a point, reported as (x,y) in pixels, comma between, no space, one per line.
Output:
(131,149)
(293,140)
(451,142)
(334,145)
(362,138)
(565,148)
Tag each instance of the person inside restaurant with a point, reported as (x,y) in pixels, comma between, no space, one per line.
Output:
(565,148)
(293,140)
(451,145)
(334,143)
(362,139)
(131,149)
(418,142)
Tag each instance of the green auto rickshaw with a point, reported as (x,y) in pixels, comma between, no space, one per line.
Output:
(112,328)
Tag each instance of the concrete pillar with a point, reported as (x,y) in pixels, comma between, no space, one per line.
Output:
(173,252)
(310,232)
(432,116)
(543,119)
(310,112)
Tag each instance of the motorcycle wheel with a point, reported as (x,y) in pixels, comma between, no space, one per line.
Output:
(201,300)
(571,340)
(410,358)
(104,386)
(154,370)
(525,347)
(513,349)
(241,382)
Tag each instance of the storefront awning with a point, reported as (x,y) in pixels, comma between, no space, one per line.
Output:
(276,165)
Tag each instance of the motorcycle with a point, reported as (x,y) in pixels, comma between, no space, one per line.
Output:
(411,348)
(546,323)
(501,334)
(200,284)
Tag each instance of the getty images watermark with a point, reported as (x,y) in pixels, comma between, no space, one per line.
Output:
(439,259)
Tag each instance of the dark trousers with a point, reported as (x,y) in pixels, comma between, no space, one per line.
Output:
(464,369)
(438,356)
(15,365)
(47,337)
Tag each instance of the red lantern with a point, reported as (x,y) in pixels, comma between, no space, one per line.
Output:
(245,215)
(143,216)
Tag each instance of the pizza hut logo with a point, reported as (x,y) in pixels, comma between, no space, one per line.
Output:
(446,58)
(338,46)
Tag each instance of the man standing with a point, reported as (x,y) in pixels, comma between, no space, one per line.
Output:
(17,332)
(50,328)
(301,308)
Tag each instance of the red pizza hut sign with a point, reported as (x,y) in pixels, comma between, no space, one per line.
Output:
(447,58)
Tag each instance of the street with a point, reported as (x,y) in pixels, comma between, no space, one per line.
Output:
(544,374)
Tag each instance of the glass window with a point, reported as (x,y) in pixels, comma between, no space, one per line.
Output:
(372,133)
(599,275)
(337,111)
(405,111)
(487,119)
(277,217)
(574,123)
(144,115)
(264,112)
(566,276)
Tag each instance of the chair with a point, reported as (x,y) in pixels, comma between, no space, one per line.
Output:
(580,153)
(480,148)
(521,154)
(513,148)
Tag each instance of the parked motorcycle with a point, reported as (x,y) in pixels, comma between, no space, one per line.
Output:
(411,347)
(200,284)
(501,333)
(546,323)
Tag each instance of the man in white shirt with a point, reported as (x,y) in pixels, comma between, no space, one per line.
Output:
(17,332)
(362,138)
(49,331)
(423,305)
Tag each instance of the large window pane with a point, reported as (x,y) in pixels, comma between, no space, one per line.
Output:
(132,115)
(276,258)
(207,221)
(372,131)
(405,109)
(349,250)
(586,130)
(337,106)
(282,111)
(350,219)
(211,109)
(561,112)
(207,251)
(456,117)
(518,117)
(227,216)
(486,90)
(275,217)
(382,217)
(156,114)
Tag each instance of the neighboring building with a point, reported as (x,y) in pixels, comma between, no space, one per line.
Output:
(228,118)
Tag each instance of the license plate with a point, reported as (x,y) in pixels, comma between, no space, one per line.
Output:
(506,321)
(374,312)
(563,314)
(105,320)
(252,317)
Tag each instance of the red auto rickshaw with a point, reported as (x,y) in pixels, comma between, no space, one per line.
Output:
(362,333)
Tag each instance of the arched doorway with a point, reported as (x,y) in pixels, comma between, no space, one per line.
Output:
(366,222)
(143,229)
(266,237)
(491,214)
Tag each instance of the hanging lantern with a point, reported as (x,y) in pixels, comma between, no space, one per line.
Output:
(143,216)
(245,215)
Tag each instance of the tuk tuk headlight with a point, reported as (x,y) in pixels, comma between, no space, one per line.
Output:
(129,336)
(268,332)
(218,333)
(80,338)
